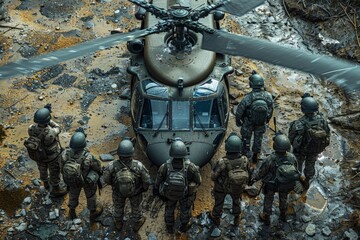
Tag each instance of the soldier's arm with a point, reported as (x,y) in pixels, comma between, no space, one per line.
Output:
(56,127)
(271,108)
(262,171)
(107,174)
(145,177)
(196,173)
(160,177)
(292,132)
(240,111)
(219,167)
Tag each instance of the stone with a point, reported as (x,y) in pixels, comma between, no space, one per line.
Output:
(152,236)
(216,232)
(52,215)
(106,157)
(21,227)
(351,235)
(326,231)
(62,233)
(10,230)
(305,218)
(77,221)
(114,85)
(310,230)
(36,182)
(27,200)
(57,212)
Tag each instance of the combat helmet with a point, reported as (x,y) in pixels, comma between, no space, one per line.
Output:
(125,148)
(309,105)
(281,143)
(255,80)
(233,144)
(42,116)
(78,141)
(178,149)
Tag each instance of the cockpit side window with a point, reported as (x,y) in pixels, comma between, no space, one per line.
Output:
(180,117)
(154,114)
(206,114)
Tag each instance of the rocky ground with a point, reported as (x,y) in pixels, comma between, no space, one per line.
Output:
(93,92)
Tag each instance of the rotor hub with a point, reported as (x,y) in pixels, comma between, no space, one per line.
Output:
(180,13)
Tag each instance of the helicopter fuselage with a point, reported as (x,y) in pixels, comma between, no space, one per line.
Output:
(179,93)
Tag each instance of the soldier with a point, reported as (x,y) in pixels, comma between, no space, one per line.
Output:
(43,146)
(230,175)
(309,136)
(129,179)
(279,174)
(177,181)
(81,170)
(253,113)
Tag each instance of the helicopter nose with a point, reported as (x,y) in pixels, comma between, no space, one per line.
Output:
(200,153)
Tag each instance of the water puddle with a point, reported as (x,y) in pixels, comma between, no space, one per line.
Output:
(10,201)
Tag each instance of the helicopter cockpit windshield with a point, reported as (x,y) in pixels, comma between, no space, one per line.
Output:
(205,108)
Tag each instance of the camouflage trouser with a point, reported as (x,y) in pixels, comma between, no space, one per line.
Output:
(51,168)
(269,193)
(119,207)
(90,193)
(185,210)
(246,132)
(309,170)
(219,202)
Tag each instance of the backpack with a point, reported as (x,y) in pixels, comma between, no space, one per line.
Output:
(285,171)
(259,111)
(124,179)
(175,186)
(35,147)
(238,175)
(315,138)
(72,173)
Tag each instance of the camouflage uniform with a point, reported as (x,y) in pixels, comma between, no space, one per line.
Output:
(296,133)
(193,176)
(266,172)
(142,184)
(243,120)
(88,162)
(219,175)
(52,147)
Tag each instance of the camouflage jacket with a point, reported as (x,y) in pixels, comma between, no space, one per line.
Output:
(243,109)
(142,175)
(193,173)
(266,171)
(297,130)
(84,158)
(220,172)
(50,139)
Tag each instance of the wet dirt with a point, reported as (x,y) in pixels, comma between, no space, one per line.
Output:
(11,200)
(82,93)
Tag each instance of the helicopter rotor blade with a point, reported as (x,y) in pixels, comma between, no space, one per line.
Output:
(31,65)
(343,73)
(240,7)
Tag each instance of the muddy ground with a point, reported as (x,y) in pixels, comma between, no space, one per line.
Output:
(92,92)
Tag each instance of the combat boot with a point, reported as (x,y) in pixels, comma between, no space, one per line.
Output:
(95,213)
(237,220)
(46,185)
(264,218)
(184,228)
(255,158)
(72,213)
(119,225)
(170,229)
(283,217)
(215,220)
(58,191)
(139,224)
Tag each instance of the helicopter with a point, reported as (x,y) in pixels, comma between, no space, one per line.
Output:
(180,69)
